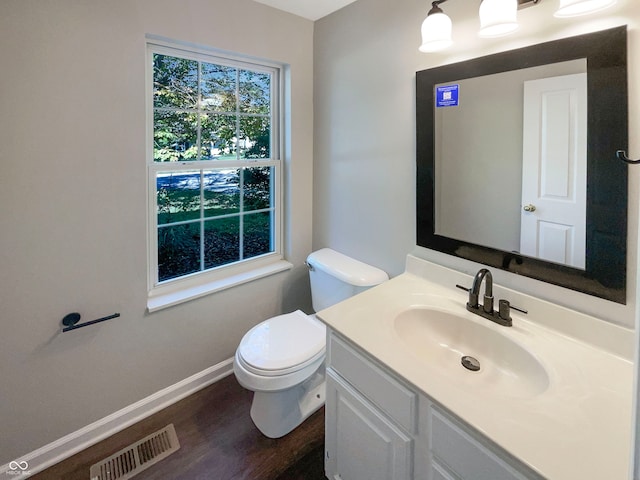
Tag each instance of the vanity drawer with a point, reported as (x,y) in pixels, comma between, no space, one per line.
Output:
(393,398)
(466,456)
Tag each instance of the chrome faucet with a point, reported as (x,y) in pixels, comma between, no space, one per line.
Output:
(502,316)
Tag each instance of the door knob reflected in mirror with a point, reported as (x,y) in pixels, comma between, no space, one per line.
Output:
(529,208)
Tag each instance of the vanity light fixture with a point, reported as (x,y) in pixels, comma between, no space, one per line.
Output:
(436,29)
(574,8)
(497,18)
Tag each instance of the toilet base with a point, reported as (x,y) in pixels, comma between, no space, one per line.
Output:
(278,413)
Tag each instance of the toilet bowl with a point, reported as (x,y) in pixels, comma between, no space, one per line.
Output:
(282,359)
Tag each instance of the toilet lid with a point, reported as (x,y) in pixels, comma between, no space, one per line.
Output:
(282,342)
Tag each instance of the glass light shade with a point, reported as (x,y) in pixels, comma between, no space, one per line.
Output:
(498,17)
(573,8)
(436,33)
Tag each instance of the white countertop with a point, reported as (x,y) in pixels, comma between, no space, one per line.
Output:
(578,428)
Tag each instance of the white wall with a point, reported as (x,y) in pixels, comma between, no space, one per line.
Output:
(365,59)
(73,208)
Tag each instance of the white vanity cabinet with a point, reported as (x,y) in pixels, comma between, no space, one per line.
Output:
(379,428)
(361,441)
(372,421)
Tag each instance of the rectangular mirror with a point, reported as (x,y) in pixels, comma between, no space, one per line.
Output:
(516,161)
(538,114)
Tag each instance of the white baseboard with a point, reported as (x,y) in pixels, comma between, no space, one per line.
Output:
(79,440)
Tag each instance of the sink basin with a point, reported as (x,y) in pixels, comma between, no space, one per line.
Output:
(441,339)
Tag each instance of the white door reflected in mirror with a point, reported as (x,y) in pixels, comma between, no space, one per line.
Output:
(554,170)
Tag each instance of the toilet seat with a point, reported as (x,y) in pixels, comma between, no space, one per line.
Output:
(282,345)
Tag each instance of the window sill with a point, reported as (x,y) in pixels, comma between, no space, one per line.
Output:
(157,302)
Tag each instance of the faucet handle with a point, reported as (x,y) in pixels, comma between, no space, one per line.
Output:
(473,297)
(504,310)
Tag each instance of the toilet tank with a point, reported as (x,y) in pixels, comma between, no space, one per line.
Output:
(336,277)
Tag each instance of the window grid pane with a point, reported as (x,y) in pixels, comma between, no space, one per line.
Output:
(175,82)
(178,196)
(213,217)
(257,234)
(221,242)
(204,111)
(178,250)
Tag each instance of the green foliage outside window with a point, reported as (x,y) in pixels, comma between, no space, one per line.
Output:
(204,111)
(214,216)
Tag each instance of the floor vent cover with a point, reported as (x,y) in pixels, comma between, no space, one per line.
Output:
(137,457)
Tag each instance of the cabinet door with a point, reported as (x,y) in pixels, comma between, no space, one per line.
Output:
(467,455)
(361,443)
(439,473)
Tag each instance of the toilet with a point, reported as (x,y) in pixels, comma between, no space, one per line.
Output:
(282,359)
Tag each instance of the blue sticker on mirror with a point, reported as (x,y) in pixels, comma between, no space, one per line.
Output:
(447,96)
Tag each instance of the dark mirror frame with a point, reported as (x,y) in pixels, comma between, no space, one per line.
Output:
(607,191)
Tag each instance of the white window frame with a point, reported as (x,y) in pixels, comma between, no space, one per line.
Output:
(181,289)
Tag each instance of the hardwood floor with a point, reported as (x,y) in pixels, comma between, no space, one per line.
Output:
(218,441)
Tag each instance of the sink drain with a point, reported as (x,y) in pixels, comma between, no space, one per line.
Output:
(470,363)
